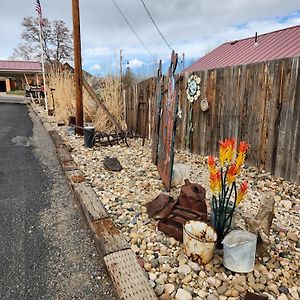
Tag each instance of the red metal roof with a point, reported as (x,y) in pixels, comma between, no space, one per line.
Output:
(273,45)
(10,65)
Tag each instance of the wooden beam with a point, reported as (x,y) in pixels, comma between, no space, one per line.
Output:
(78,66)
(95,97)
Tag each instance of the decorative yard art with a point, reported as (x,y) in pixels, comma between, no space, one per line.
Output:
(159,96)
(192,94)
(193,88)
(223,185)
(165,157)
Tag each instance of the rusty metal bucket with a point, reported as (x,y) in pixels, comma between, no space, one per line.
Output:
(199,241)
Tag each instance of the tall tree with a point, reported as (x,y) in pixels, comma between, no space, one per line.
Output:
(56,41)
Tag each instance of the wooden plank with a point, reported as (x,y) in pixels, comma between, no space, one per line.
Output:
(219,110)
(212,111)
(244,77)
(259,114)
(90,202)
(157,119)
(204,116)
(165,158)
(295,153)
(267,114)
(274,78)
(279,97)
(57,139)
(108,237)
(250,126)
(63,154)
(196,119)
(236,102)
(184,109)
(129,279)
(283,121)
(181,115)
(69,166)
(289,142)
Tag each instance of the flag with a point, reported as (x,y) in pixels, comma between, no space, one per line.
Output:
(38,8)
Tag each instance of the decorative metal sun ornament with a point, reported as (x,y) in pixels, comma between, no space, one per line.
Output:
(193,88)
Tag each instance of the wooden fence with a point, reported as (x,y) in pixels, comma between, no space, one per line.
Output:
(258,103)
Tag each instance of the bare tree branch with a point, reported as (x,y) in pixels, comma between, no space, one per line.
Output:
(56,41)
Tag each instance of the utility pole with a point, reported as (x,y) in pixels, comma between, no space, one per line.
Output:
(78,66)
(121,70)
(121,84)
(183,61)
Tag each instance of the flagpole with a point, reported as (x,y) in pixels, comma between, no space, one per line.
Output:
(43,66)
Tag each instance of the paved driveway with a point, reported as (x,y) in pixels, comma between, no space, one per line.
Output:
(46,251)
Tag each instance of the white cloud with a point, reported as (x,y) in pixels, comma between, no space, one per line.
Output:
(96,52)
(95,67)
(136,63)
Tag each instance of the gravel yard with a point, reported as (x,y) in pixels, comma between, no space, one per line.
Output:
(170,273)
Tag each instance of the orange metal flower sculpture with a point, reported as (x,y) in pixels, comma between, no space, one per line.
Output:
(222,181)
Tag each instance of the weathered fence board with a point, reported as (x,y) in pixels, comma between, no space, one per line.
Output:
(259,103)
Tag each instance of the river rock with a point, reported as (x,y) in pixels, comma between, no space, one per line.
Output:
(169,288)
(185,269)
(282,297)
(159,289)
(222,289)
(212,297)
(183,295)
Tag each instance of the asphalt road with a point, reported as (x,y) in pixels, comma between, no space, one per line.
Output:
(13,99)
(46,251)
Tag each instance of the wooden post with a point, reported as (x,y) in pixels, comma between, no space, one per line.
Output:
(7,83)
(78,66)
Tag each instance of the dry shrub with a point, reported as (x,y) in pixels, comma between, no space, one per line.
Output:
(63,100)
(110,94)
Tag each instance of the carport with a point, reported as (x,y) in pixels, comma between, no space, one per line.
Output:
(15,74)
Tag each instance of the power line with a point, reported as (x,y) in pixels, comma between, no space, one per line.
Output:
(132,29)
(156,25)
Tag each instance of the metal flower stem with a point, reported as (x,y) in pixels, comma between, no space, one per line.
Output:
(230,216)
(220,209)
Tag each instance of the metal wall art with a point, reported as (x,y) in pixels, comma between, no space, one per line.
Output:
(193,88)
(159,96)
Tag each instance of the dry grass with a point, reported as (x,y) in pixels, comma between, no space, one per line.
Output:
(64,103)
(63,100)
(110,94)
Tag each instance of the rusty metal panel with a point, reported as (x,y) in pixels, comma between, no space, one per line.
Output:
(156,125)
(167,138)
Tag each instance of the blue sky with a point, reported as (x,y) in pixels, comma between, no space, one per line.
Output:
(194,27)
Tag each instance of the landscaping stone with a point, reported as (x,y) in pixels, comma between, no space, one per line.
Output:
(170,272)
(183,295)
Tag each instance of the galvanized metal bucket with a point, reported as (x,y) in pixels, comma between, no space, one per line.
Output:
(239,251)
(199,241)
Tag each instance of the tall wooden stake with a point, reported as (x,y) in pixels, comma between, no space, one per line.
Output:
(78,66)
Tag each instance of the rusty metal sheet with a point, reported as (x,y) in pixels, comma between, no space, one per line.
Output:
(167,137)
(159,96)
